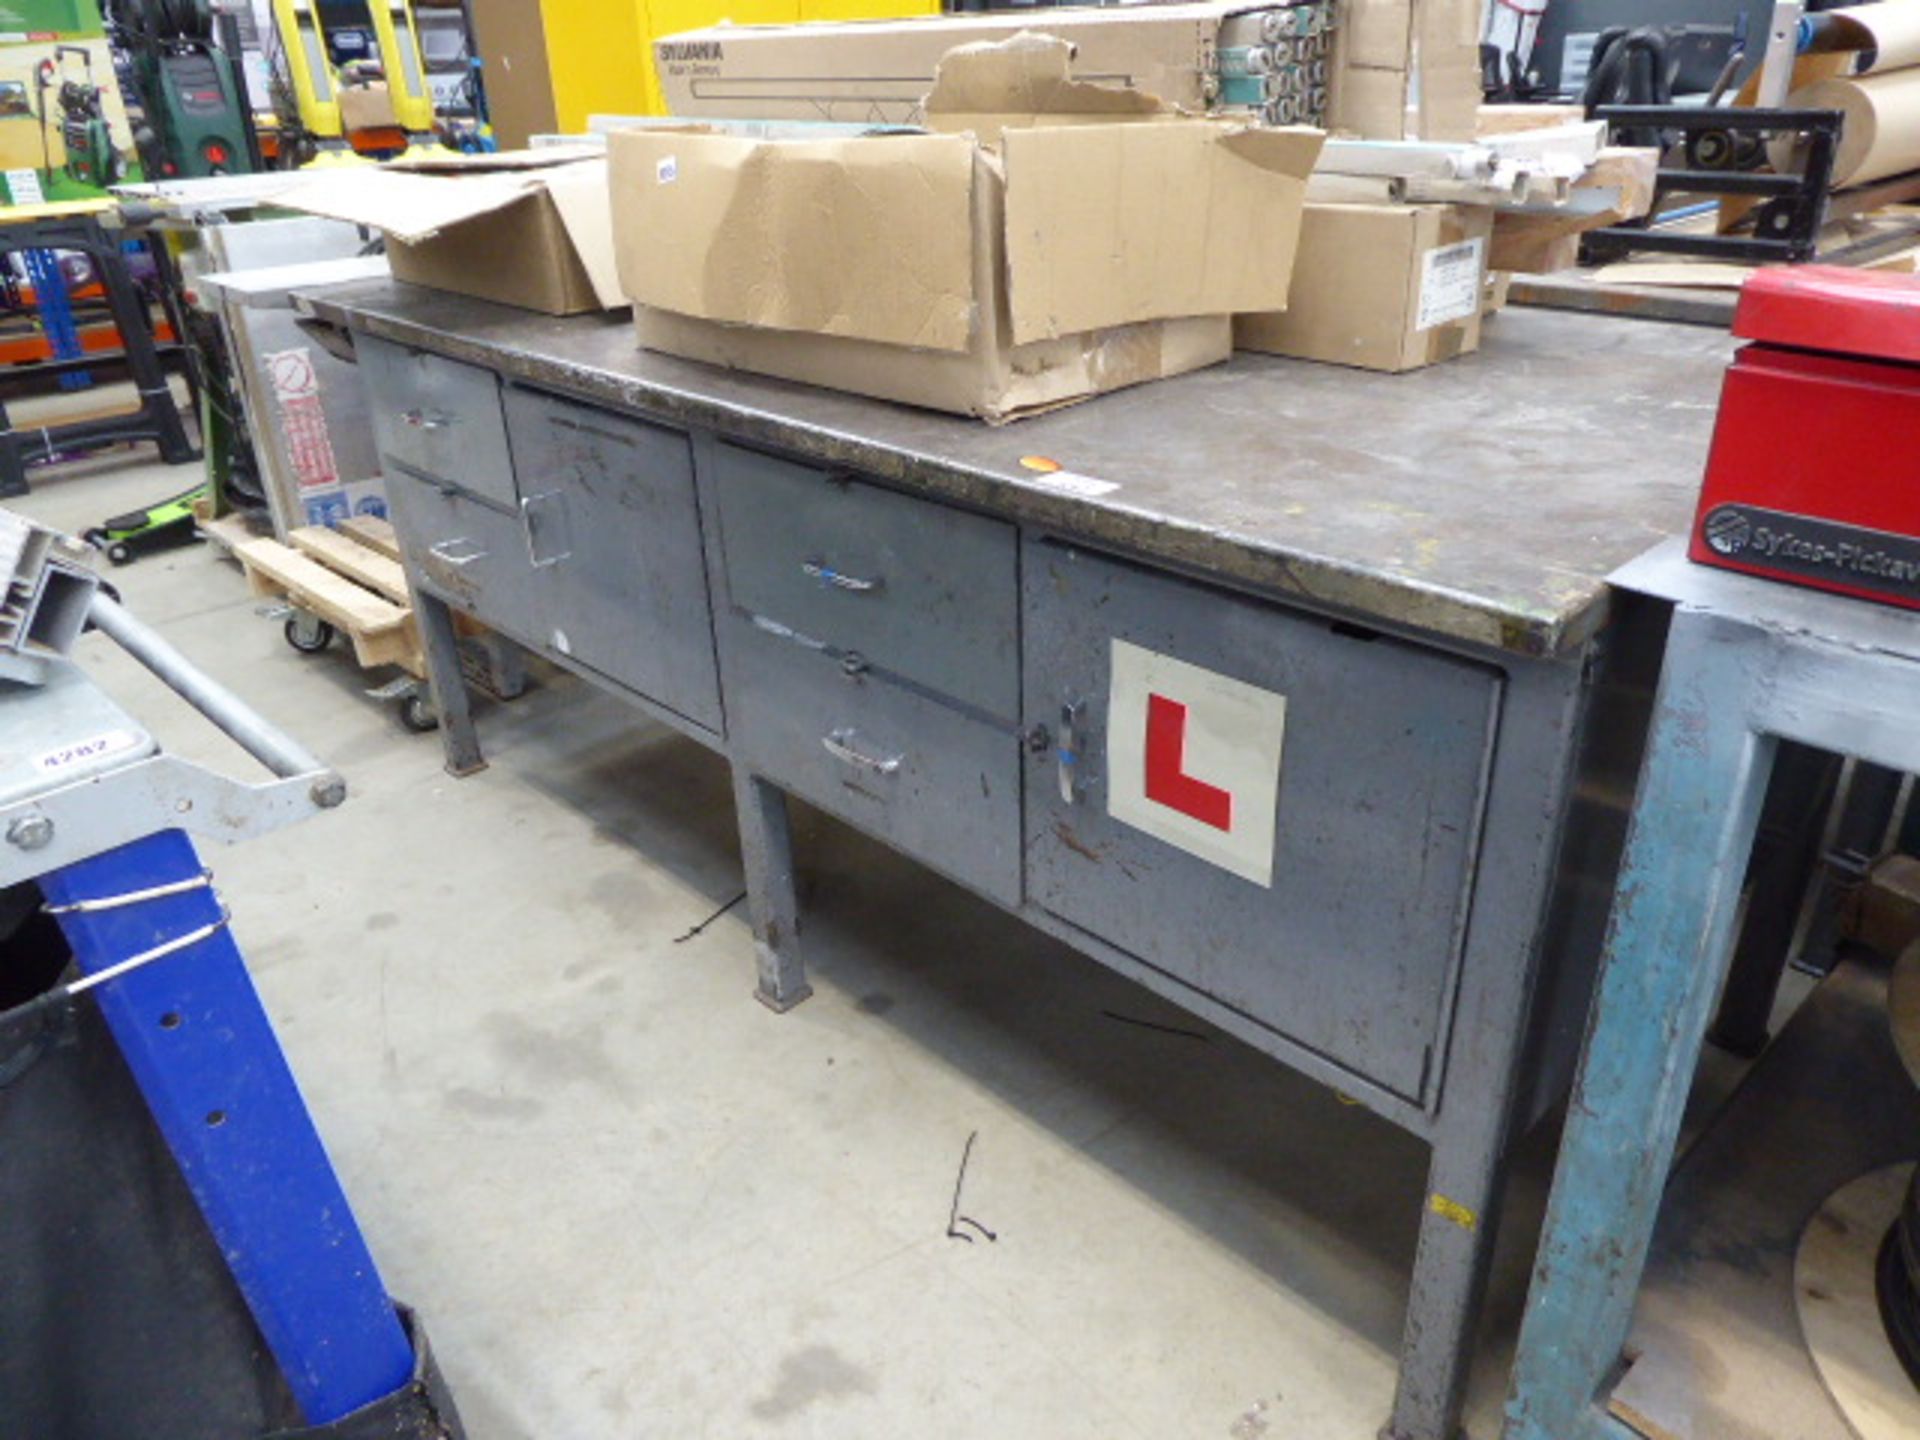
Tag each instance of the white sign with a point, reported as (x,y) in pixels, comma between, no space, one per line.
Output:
(1069,482)
(1450,283)
(1193,758)
(23,186)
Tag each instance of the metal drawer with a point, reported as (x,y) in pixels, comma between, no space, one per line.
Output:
(609,504)
(1348,944)
(471,555)
(933,783)
(919,589)
(437,419)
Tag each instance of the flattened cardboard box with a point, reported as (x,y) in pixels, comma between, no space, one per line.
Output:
(879,71)
(1102,243)
(1383,287)
(528,228)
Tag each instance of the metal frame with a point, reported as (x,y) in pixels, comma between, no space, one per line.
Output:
(157,419)
(1805,192)
(110,855)
(1750,664)
(204,1054)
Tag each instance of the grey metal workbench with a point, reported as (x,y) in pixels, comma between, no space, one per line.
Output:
(1274,698)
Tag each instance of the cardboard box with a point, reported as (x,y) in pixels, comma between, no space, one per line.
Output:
(1407,69)
(366,107)
(878,71)
(1052,240)
(530,228)
(1402,68)
(1383,287)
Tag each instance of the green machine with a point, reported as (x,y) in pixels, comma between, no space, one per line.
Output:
(188,87)
(91,158)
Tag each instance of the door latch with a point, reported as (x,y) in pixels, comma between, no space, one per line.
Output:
(1067,752)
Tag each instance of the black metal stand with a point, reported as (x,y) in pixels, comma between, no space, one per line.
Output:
(157,418)
(1786,227)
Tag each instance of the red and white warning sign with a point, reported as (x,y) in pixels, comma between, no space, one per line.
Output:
(1193,758)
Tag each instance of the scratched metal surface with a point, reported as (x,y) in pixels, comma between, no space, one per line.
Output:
(1485,499)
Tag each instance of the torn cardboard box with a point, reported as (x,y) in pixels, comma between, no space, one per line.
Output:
(1383,287)
(879,71)
(1053,239)
(528,228)
(1400,68)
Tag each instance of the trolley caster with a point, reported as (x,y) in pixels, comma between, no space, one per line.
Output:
(120,553)
(418,714)
(308,634)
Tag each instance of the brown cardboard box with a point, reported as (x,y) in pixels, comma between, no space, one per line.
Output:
(511,37)
(1098,242)
(1407,69)
(531,228)
(878,71)
(1383,287)
(366,107)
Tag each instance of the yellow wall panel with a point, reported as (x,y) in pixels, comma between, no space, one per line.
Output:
(598,55)
(600,52)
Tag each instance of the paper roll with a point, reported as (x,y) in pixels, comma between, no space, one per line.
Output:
(1882,134)
(1891,30)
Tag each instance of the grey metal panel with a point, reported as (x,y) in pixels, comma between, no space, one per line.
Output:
(952,797)
(471,555)
(614,531)
(1352,951)
(941,603)
(439,419)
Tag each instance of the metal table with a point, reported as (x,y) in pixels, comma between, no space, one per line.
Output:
(1749,664)
(1380,599)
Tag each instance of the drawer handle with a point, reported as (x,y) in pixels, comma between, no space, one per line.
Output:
(530,522)
(443,550)
(827,575)
(1073,717)
(422,420)
(839,744)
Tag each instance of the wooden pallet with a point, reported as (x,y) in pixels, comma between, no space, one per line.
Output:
(351,585)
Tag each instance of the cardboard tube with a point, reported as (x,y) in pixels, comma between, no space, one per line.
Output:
(1882,134)
(1891,31)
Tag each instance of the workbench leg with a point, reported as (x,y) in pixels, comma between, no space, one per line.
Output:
(205,1057)
(441,646)
(1486,1069)
(1665,958)
(766,851)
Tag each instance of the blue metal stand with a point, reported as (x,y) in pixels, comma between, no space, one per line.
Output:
(1749,663)
(204,1054)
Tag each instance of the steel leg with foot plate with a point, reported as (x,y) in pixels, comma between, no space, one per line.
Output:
(1749,664)
(442,649)
(1486,1101)
(766,852)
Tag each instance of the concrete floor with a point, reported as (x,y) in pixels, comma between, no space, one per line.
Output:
(630,1202)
